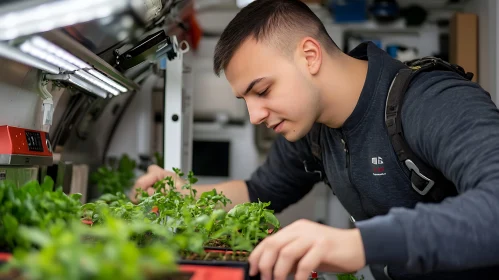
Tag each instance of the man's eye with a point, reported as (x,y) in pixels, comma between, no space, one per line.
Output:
(263,93)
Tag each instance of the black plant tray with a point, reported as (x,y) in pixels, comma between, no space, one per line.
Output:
(232,264)
(179,275)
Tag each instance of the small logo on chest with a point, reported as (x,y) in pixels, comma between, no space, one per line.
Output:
(377,166)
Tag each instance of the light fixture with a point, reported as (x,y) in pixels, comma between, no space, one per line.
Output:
(31,49)
(82,84)
(107,80)
(30,17)
(50,53)
(19,56)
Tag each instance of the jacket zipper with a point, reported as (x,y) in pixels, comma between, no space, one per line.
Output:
(347,160)
(347,152)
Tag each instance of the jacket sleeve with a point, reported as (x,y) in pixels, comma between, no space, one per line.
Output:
(282,179)
(453,125)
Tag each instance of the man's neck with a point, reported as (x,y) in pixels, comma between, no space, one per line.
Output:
(340,84)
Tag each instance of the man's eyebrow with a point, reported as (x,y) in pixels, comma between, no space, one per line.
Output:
(251,85)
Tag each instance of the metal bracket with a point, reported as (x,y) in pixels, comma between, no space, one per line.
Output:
(152,47)
(173,137)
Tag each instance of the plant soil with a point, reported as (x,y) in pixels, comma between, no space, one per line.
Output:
(218,256)
(181,275)
(217,243)
(11,275)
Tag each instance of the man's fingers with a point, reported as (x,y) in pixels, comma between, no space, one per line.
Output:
(263,258)
(254,258)
(154,168)
(153,175)
(267,261)
(150,191)
(146,181)
(288,256)
(310,262)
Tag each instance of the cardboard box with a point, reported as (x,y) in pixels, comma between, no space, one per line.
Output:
(463,40)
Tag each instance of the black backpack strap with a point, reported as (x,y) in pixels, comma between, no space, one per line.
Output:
(425,180)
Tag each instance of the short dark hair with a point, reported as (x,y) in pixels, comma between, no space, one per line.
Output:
(278,20)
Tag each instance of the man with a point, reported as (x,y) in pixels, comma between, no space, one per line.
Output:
(278,57)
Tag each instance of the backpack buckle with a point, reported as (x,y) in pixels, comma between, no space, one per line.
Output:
(315,168)
(420,183)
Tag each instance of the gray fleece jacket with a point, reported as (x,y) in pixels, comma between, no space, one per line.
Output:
(450,123)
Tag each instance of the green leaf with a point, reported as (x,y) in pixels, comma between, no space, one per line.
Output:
(35,236)
(346,276)
(159,159)
(271,219)
(76,196)
(207,194)
(9,221)
(238,211)
(48,184)
(202,219)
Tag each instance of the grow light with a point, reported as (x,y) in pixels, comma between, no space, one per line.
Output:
(33,17)
(78,82)
(29,48)
(107,80)
(85,75)
(17,55)
(45,50)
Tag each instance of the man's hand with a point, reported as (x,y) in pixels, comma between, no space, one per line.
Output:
(154,174)
(305,246)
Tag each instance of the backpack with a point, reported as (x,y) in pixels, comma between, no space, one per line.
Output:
(426,181)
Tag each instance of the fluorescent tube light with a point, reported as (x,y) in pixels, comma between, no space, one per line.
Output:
(28,48)
(92,79)
(47,51)
(49,47)
(32,17)
(19,56)
(107,80)
(78,82)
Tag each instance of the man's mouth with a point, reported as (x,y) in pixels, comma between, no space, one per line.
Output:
(278,127)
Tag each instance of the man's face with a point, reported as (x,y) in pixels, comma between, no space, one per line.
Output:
(278,90)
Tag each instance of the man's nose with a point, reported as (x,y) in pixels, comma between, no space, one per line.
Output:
(257,112)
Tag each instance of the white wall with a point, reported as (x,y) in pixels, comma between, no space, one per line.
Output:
(488,60)
(135,129)
(19,97)
(213,95)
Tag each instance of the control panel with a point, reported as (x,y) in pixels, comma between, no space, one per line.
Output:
(34,140)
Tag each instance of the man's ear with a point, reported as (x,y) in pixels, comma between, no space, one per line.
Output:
(312,52)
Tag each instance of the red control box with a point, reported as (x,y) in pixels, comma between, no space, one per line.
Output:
(21,146)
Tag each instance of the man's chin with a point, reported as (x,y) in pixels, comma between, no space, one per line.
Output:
(293,136)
